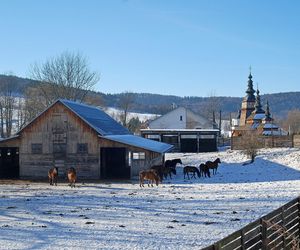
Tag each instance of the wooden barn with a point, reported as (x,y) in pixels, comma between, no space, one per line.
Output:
(185,130)
(69,134)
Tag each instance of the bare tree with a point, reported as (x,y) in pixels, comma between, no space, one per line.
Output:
(125,103)
(66,76)
(251,145)
(8,90)
(292,122)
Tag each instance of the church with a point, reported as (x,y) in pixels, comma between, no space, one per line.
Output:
(252,118)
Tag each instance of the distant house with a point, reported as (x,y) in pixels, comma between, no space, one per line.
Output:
(69,134)
(185,130)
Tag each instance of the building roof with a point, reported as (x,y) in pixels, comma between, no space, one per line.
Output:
(107,127)
(96,118)
(140,142)
(180,130)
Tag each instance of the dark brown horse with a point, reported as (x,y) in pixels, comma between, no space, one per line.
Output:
(164,172)
(172,163)
(213,165)
(204,170)
(150,175)
(72,176)
(190,169)
(52,175)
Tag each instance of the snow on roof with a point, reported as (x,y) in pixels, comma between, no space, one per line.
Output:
(275,132)
(270,125)
(141,142)
(259,116)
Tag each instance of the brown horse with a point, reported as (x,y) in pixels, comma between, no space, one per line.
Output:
(213,165)
(190,169)
(72,176)
(204,170)
(150,175)
(52,175)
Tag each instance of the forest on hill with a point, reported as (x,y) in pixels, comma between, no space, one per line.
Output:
(280,103)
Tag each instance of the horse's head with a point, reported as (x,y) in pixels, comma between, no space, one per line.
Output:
(218,160)
(179,161)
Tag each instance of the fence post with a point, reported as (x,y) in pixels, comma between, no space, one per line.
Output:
(264,234)
(243,239)
(283,225)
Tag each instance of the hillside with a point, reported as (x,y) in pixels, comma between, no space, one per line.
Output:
(280,103)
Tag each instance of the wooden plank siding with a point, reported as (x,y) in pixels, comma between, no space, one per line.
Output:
(276,230)
(59,125)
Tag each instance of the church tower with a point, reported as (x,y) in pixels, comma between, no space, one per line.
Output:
(248,103)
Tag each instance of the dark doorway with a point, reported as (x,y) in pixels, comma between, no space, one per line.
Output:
(207,145)
(188,145)
(114,163)
(9,163)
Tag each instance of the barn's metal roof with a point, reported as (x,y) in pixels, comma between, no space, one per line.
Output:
(96,118)
(141,142)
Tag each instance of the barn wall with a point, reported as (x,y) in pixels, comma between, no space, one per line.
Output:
(58,126)
(151,158)
(14,142)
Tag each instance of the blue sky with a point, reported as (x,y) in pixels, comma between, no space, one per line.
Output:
(184,48)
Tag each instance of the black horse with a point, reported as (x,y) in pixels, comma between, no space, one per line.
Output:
(204,170)
(163,171)
(172,163)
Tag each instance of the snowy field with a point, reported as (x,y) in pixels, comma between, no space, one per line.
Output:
(179,214)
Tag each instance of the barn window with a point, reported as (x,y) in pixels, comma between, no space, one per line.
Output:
(36,148)
(82,148)
(138,156)
(180,118)
(59,148)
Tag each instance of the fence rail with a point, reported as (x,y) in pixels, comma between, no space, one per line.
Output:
(279,229)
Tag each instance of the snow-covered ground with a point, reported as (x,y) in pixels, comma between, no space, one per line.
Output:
(178,214)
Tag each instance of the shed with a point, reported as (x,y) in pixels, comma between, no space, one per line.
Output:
(70,134)
(185,130)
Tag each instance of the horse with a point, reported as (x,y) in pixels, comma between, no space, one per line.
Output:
(168,171)
(204,170)
(172,163)
(150,175)
(163,172)
(52,175)
(190,169)
(213,165)
(72,176)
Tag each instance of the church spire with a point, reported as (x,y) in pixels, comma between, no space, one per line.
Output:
(258,108)
(250,91)
(267,113)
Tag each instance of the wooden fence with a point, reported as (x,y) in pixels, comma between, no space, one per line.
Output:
(238,142)
(276,230)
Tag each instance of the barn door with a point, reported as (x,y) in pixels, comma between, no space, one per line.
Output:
(9,162)
(114,163)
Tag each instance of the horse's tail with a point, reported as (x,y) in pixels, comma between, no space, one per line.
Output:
(198,172)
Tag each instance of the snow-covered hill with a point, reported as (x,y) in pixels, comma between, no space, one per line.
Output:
(178,214)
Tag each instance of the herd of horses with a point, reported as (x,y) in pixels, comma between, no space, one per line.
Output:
(159,172)
(153,175)
(71,176)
